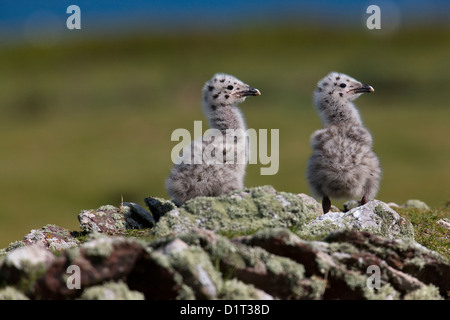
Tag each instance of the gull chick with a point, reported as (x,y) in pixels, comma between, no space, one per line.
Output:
(221,97)
(342,164)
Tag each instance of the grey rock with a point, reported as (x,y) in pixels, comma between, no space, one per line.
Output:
(375,217)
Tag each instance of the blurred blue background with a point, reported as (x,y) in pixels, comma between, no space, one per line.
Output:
(103,17)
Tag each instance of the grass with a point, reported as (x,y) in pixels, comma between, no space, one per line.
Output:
(88,122)
(427,231)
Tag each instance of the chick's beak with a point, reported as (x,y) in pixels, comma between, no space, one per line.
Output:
(364,88)
(250,92)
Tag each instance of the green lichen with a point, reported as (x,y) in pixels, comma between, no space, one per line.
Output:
(429,292)
(11,293)
(107,207)
(119,221)
(385,292)
(197,271)
(101,247)
(218,248)
(317,231)
(402,228)
(12,246)
(73,253)
(237,290)
(185,293)
(31,274)
(111,291)
(275,265)
(231,259)
(288,237)
(324,264)
(341,247)
(355,280)
(287,273)
(163,262)
(250,209)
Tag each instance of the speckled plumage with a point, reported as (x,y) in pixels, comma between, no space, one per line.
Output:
(221,96)
(343,164)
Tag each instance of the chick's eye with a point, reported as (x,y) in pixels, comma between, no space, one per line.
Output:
(230,87)
(342,85)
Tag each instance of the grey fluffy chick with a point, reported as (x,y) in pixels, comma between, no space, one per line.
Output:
(221,96)
(343,164)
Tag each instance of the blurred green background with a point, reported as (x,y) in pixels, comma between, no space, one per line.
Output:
(88,120)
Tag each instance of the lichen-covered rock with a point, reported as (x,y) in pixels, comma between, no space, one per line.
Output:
(273,263)
(407,265)
(11,293)
(21,267)
(29,257)
(112,220)
(240,211)
(252,244)
(375,217)
(49,236)
(52,237)
(106,219)
(344,258)
(111,291)
(414,203)
(110,258)
(310,203)
(275,275)
(424,293)
(237,290)
(195,267)
(333,280)
(12,246)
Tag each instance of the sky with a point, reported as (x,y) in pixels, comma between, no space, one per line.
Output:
(21,19)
